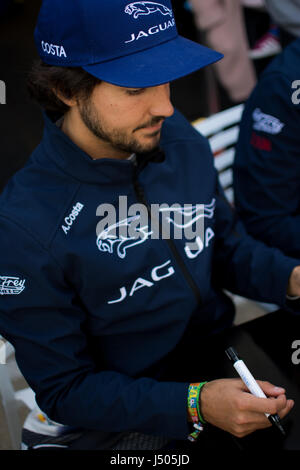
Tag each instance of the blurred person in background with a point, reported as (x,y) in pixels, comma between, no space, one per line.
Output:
(267,162)
(222,23)
(286,14)
(269,43)
(283,26)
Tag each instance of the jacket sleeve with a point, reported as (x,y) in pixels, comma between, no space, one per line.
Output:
(267,169)
(246,266)
(43,319)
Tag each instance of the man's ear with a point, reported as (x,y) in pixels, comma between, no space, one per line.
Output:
(71,102)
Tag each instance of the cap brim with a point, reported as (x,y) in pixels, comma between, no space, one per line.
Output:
(160,64)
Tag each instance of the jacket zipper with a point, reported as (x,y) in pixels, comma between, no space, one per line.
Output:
(141,198)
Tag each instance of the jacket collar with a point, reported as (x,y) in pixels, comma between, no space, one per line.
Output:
(72,160)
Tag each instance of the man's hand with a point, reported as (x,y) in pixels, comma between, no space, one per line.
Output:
(227,404)
(294,283)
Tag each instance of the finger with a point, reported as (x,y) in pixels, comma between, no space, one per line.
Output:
(259,422)
(253,421)
(289,405)
(261,417)
(270,389)
(263,405)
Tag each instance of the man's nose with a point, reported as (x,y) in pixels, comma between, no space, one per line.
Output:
(161,104)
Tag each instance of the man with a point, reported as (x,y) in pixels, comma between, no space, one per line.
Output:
(96,316)
(267,169)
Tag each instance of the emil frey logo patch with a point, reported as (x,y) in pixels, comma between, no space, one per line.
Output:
(266,123)
(10,285)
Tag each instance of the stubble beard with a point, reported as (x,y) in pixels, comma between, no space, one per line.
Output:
(117,139)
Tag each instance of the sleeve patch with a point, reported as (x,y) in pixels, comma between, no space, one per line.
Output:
(10,285)
(260,143)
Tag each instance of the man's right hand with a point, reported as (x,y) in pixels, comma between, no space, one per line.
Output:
(227,404)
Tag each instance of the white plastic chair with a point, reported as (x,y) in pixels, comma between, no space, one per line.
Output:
(11,398)
(222,130)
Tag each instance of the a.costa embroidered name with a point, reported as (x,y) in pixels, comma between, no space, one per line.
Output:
(70,219)
(53,49)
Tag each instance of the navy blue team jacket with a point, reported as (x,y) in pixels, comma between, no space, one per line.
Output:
(267,163)
(87,316)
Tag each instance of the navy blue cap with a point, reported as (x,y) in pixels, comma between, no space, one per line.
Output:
(127,44)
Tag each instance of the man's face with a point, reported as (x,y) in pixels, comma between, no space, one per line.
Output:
(126,119)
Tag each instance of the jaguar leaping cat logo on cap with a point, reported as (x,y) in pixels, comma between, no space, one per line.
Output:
(147,8)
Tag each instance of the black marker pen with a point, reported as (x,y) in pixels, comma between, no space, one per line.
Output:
(251,384)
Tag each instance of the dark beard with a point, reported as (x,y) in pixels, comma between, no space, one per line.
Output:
(116,139)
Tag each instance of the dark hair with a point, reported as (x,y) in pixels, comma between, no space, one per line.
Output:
(71,82)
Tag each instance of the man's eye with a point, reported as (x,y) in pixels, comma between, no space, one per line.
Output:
(137,91)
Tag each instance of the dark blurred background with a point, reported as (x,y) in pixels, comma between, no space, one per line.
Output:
(21,122)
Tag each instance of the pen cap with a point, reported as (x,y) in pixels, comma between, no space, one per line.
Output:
(232,355)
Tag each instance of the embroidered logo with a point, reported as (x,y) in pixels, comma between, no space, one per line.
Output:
(157,274)
(137,9)
(53,49)
(147,8)
(266,122)
(108,241)
(131,231)
(10,285)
